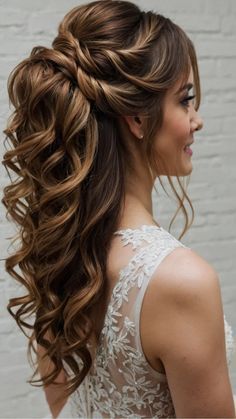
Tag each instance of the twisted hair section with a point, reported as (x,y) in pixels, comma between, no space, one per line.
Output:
(108,59)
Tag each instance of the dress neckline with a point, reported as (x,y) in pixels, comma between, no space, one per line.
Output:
(142,227)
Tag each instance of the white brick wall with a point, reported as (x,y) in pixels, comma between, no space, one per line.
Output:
(211,25)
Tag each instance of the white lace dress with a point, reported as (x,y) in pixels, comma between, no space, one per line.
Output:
(121,383)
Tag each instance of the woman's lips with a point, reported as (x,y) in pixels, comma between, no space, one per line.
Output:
(188,150)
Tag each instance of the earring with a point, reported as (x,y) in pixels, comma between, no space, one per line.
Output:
(141,136)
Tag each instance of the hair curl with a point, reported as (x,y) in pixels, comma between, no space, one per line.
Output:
(108,59)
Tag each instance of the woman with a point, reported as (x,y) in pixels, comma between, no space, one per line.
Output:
(128,321)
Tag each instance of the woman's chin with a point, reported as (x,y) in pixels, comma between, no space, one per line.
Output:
(185,170)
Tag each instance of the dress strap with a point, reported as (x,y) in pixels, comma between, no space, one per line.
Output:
(136,236)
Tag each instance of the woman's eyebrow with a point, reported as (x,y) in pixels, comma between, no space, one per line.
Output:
(187,86)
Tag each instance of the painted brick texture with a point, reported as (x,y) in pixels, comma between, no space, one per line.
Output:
(211,25)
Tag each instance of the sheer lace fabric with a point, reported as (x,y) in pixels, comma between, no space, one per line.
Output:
(121,383)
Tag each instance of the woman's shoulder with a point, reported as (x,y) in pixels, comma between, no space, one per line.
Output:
(184,274)
(182,301)
(184,289)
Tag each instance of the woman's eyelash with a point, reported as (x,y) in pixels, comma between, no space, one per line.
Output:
(187,99)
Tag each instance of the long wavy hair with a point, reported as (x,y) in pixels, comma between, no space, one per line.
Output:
(108,59)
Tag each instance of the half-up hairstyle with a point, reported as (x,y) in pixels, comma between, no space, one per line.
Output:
(108,59)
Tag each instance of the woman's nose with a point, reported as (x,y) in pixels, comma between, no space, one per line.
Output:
(197,122)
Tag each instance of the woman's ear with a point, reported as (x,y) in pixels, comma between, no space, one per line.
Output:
(135,125)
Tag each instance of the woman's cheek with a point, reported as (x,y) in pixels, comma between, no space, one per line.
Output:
(181,127)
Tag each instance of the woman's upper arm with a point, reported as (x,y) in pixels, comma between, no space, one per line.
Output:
(189,337)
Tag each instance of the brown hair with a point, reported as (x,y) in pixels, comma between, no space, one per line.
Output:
(108,59)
